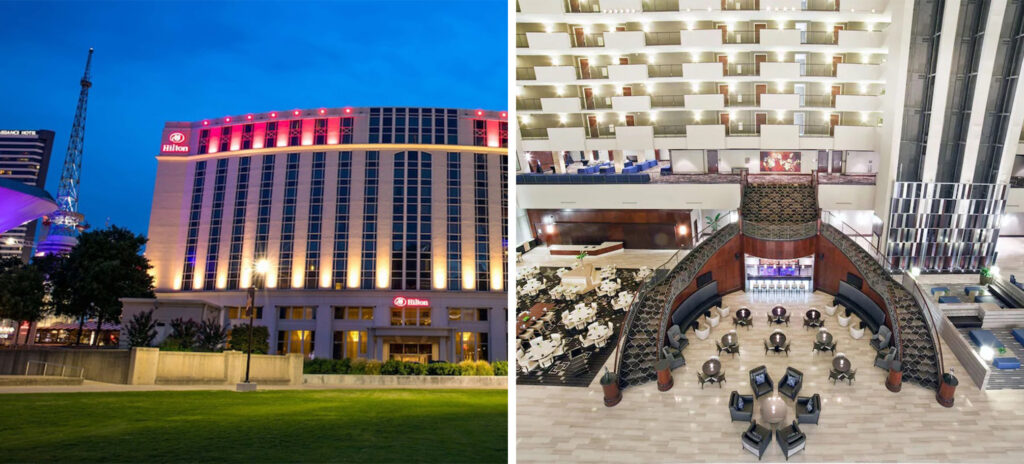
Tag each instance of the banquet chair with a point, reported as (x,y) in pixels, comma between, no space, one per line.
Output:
(535,342)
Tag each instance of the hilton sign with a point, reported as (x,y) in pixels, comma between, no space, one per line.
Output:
(409,302)
(175,141)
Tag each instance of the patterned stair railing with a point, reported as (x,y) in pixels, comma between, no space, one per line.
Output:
(778,232)
(660,274)
(931,320)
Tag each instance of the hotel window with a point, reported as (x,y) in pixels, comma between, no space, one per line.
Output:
(204,141)
(471,346)
(453,234)
(341,218)
(368,269)
(375,118)
(238,222)
(270,138)
(294,132)
(225,138)
(411,263)
(287,251)
(350,344)
(193,225)
(353,313)
(483,264)
(346,129)
(411,352)
(239,312)
(247,136)
(503,133)
(263,209)
(316,206)
(296,313)
(480,132)
(295,341)
(453,128)
(216,218)
(467,314)
(320,131)
(410,317)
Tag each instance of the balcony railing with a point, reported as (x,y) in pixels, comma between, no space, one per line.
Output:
(667,100)
(670,130)
(661,5)
(521,41)
(665,70)
(532,104)
(818,37)
(1016,182)
(534,133)
(663,38)
(741,37)
(526,73)
(741,69)
(817,70)
(589,40)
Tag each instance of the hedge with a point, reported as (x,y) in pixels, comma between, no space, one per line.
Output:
(393,367)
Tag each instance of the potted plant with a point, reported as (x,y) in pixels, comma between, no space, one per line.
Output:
(580,257)
(610,384)
(713,221)
(986,276)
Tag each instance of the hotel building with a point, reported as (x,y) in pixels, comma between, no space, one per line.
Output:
(382,230)
(24,157)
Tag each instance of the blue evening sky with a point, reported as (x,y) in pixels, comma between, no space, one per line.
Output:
(184,61)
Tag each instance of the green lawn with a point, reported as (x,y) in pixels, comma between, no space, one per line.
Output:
(265,426)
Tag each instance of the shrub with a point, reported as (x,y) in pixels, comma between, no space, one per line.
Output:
(211,336)
(373,367)
(185,331)
(357,366)
(393,367)
(239,339)
(326,366)
(174,344)
(442,368)
(500,368)
(341,366)
(141,329)
(416,368)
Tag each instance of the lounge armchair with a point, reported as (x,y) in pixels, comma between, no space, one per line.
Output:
(756,439)
(880,340)
(760,381)
(884,358)
(714,319)
(790,439)
(833,375)
(741,407)
(674,356)
(676,337)
(789,384)
(830,310)
(857,331)
(702,332)
(851,376)
(808,408)
(844,320)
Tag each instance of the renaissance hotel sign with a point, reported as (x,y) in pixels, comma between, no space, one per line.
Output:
(175,141)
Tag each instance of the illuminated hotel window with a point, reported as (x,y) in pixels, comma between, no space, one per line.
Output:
(295,341)
(341,213)
(295,132)
(480,132)
(503,133)
(225,138)
(410,317)
(413,125)
(467,314)
(320,131)
(411,263)
(370,191)
(483,263)
(263,209)
(270,137)
(247,136)
(503,172)
(238,222)
(471,346)
(346,129)
(316,205)
(239,312)
(287,251)
(193,225)
(350,344)
(296,313)
(353,313)
(216,218)
(454,217)
(204,141)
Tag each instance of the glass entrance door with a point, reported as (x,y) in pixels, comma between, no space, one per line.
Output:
(411,352)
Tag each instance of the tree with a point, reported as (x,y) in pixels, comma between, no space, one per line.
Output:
(212,335)
(22,294)
(104,267)
(141,329)
(240,339)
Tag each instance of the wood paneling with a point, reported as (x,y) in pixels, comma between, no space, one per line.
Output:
(635,228)
(779,249)
(725,267)
(831,266)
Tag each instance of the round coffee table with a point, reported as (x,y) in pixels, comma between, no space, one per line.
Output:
(743,313)
(777,339)
(778,311)
(773,409)
(729,339)
(823,337)
(813,314)
(711,367)
(841,364)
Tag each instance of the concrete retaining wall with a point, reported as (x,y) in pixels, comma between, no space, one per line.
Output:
(151,366)
(101,365)
(411,381)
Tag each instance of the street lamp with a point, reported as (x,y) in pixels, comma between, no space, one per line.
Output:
(261,268)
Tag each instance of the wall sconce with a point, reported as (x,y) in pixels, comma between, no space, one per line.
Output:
(681,229)
(549,228)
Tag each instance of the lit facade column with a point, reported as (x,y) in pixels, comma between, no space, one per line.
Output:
(276,213)
(301,221)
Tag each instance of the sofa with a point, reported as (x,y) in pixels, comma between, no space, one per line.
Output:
(791,440)
(808,408)
(741,407)
(760,381)
(756,439)
(789,384)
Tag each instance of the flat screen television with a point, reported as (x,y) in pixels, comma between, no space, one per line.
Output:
(854,281)
(703,279)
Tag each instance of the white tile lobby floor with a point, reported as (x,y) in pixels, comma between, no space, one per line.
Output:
(863,422)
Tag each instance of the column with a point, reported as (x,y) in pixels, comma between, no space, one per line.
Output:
(943,73)
(982,86)
(324,346)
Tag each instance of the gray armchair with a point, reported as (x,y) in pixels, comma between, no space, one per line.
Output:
(741,407)
(676,337)
(884,358)
(789,384)
(674,356)
(880,340)
(756,439)
(808,408)
(760,381)
(791,440)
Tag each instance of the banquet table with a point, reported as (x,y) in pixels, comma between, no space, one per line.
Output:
(544,349)
(777,339)
(597,332)
(711,367)
(841,364)
(535,312)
